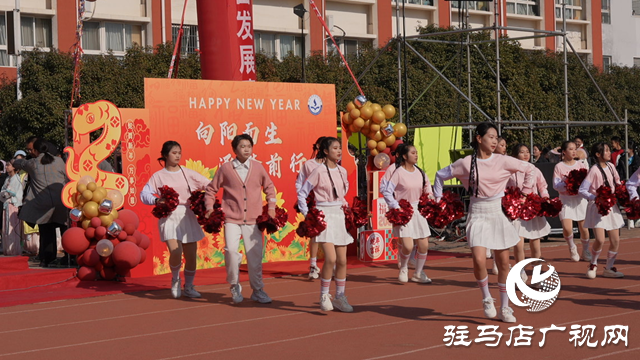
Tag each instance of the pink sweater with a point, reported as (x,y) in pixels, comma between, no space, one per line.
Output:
(320,183)
(560,173)
(594,180)
(398,183)
(307,169)
(540,187)
(493,173)
(177,181)
(241,201)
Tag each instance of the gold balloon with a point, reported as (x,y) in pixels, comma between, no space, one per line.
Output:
(371,144)
(92,186)
(81,187)
(389,111)
(377,136)
(376,107)
(400,130)
(86,180)
(374,127)
(114,212)
(355,113)
(98,196)
(351,106)
(346,119)
(90,209)
(366,112)
(80,200)
(87,195)
(353,128)
(381,146)
(374,152)
(116,198)
(378,117)
(358,123)
(390,140)
(106,220)
(85,223)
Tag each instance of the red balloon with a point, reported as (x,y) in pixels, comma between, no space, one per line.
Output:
(107,261)
(133,239)
(123,272)
(80,260)
(387,150)
(101,232)
(145,242)
(395,145)
(74,242)
(91,257)
(143,255)
(108,273)
(115,242)
(138,235)
(129,229)
(126,255)
(122,236)
(129,217)
(119,222)
(95,222)
(86,273)
(90,233)
(99,267)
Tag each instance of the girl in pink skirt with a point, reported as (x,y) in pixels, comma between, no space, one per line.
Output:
(574,207)
(180,230)
(330,185)
(602,173)
(485,175)
(407,181)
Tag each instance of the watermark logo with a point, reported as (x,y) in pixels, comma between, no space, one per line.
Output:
(547,283)
(315,104)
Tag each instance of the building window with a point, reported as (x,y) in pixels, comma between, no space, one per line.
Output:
(36,32)
(606,11)
(635,7)
(350,47)
(278,45)
(523,7)
(473,5)
(636,62)
(419,2)
(4,57)
(189,38)
(573,10)
(102,37)
(606,63)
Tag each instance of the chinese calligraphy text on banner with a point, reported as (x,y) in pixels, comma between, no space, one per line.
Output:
(283,119)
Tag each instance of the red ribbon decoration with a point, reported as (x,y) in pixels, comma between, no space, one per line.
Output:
(271,225)
(605,199)
(170,203)
(574,179)
(400,216)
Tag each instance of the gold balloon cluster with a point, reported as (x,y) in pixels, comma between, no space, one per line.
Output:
(370,120)
(90,201)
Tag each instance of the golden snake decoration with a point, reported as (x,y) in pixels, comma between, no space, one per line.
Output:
(84,157)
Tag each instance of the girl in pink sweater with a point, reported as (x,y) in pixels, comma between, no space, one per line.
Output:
(574,207)
(602,173)
(243,181)
(485,175)
(180,230)
(307,169)
(330,185)
(538,227)
(407,181)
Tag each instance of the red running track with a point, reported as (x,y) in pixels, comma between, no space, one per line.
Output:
(391,320)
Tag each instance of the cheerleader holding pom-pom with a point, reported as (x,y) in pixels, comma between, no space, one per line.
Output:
(329,183)
(406,181)
(485,175)
(602,173)
(574,207)
(180,229)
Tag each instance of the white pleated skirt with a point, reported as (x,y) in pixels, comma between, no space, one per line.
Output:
(535,228)
(336,231)
(594,220)
(416,228)
(181,225)
(574,207)
(489,227)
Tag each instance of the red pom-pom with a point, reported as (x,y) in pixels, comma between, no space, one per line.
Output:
(360,213)
(313,224)
(622,194)
(442,213)
(511,202)
(605,199)
(271,225)
(550,207)
(170,203)
(531,207)
(128,217)
(214,223)
(126,255)
(311,202)
(87,273)
(196,203)
(400,216)
(574,179)
(633,209)
(74,241)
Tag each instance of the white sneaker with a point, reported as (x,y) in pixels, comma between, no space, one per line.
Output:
(325,302)
(574,254)
(489,307)
(175,288)
(523,275)
(190,291)
(341,303)
(612,273)
(506,315)
(403,277)
(420,277)
(591,273)
(260,296)
(495,270)
(631,224)
(586,254)
(314,272)
(236,293)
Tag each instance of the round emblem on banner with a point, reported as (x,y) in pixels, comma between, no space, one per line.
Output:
(375,245)
(315,104)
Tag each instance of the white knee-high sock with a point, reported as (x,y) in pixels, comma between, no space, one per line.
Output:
(175,271)
(611,259)
(422,258)
(484,287)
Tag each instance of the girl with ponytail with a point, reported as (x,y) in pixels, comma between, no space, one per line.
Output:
(407,181)
(602,173)
(485,175)
(305,171)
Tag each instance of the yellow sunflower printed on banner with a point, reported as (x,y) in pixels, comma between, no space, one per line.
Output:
(198,166)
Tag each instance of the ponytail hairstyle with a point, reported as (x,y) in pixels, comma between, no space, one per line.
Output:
(474,177)
(325,144)
(515,151)
(598,148)
(401,151)
(41,147)
(166,149)
(316,147)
